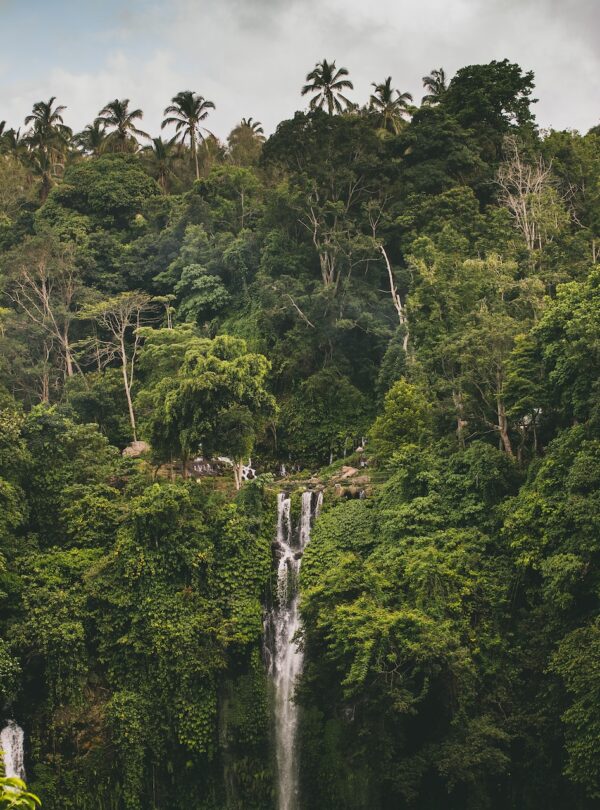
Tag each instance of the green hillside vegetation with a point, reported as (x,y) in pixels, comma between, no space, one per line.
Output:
(421,275)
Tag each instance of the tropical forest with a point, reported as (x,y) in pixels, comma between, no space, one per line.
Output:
(300,453)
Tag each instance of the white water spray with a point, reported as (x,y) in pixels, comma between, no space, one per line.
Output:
(284,658)
(11,744)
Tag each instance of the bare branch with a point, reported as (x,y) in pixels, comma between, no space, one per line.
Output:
(299,311)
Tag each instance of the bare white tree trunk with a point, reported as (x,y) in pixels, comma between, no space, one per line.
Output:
(502,420)
(127,386)
(120,316)
(45,290)
(461,422)
(397,300)
(237,473)
(195,153)
(526,191)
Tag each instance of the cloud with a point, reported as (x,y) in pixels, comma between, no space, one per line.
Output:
(84,93)
(250,56)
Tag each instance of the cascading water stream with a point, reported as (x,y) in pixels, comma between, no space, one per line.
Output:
(284,658)
(11,744)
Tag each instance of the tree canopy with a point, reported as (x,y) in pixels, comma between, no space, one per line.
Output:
(392,301)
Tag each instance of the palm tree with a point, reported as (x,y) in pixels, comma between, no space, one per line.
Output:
(255,126)
(93,138)
(3,137)
(39,164)
(12,141)
(48,140)
(47,123)
(211,151)
(390,104)
(327,82)
(245,142)
(436,84)
(117,116)
(161,156)
(186,111)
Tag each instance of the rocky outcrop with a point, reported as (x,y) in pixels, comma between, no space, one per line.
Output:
(136,449)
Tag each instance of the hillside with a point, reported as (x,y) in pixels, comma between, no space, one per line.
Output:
(395,305)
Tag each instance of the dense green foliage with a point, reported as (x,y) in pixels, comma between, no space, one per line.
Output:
(422,277)
(14,793)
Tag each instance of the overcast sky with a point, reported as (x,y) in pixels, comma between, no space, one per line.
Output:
(251,56)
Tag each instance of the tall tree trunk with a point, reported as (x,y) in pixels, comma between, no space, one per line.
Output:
(45,395)
(195,153)
(237,473)
(503,421)
(127,389)
(45,392)
(68,355)
(460,421)
(397,301)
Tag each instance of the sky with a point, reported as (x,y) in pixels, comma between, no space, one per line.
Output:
(250,57)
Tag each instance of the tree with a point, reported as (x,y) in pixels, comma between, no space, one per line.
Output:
(528,190)
(484,348)
(404,284)
(202,295)
(93,139)
(46,287)
(391,105)
(576,662)
(245,142)
(567,341)
(215,401)
(397,300)
(162,156)
(493,100)
(575,161)
(15,796)
(48,139)
(327,83)
(47,124)
(334,167)
(119,120)
(233,197)
(436,84)
(406,419)
(211,152)
(16,192)
(12,141)
(323,418)
(98,397)
(552,528)
(103,196)
(438,154)
(186,111)
(398,604)
(119,319)
(255,126)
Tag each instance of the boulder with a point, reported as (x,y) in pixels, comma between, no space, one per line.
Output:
(136,449)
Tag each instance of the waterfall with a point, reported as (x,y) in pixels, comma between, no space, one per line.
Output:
(284,660)
(11,744)
(305,518)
